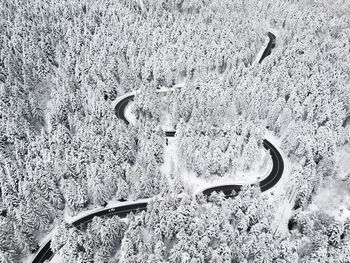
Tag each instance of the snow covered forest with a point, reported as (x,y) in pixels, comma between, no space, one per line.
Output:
(64,151)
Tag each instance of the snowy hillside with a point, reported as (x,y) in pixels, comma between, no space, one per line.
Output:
(174,131)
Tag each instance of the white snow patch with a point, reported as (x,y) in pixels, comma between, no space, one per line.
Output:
(167,122)
(166,89)
(334,199)
(56,258)
(343,162)
(275,31)
(276,141)
(170,157)
(129,113)
(285,203)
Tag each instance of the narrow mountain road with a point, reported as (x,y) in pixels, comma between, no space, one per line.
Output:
(121,106)
(45,252)
(269,47)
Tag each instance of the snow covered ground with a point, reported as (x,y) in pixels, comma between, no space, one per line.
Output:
(259,171)
(283,194)
(128,113)
(343,162)
(170,158)
(334,197)
(168,124)
(176,86)
(194,184)
(56,259)
(334,200)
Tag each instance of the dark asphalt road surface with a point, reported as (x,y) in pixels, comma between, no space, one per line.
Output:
(269,47)
(270,181)
(45,252)
(120,108)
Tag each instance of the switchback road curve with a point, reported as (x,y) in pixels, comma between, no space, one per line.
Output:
(121,106)
(271,180)
(269,47)
(45,252)
(275,175)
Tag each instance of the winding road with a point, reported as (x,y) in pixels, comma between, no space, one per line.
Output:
(269,47)
(45,252)
(121,106)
